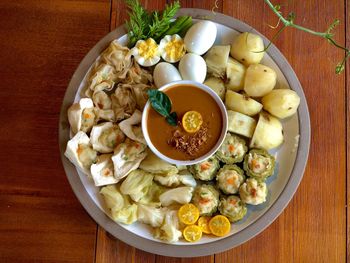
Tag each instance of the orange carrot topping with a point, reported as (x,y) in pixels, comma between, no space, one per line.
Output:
(230,180)
(205,166)
(255,164)
(204,200)
(233,201)
(231,148)
(86,116)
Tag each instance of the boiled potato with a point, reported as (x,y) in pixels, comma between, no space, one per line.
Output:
(216,60)
(268,133)
(281,103)
(216,85)
(240,123)
(242,103)
(259,80)
(246,48)
(235,73)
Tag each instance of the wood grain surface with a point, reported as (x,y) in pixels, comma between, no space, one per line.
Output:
(41,44)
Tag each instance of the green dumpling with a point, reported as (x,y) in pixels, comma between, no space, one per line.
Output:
(232,207)
(206,199)
(232,150)
(253,192)
(229,178)
(259,164)
(205,170)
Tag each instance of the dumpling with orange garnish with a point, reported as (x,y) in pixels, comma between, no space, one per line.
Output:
(232,150)
(146,52)
(81,115)
(206,199)
(172,48)
(205,170)
(229,178)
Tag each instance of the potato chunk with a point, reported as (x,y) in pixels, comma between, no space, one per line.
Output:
(268,133)
(245,48)
(259,80)
(281,103)
(235,73)
(216,85)
(240,123)
(216,60)
(242,103)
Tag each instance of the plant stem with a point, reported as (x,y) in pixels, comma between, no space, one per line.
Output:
(327,35)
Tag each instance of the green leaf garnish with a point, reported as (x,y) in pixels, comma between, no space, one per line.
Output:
(161,103)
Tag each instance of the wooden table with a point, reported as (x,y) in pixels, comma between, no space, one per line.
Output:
(41,44)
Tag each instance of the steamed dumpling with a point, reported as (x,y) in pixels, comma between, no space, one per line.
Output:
(101,78)
(80,152)
(81,115)
(131,127)
(102,171)
(127,157)
(105,137)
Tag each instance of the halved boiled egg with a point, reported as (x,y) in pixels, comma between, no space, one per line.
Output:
(172,48)
(146,52)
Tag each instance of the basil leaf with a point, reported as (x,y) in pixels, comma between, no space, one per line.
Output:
(160,102)
(172,119)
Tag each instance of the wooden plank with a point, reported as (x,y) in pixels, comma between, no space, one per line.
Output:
(42,42)
(347,98)
(50,229)
(312,226)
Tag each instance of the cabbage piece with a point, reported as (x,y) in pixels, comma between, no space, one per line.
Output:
(155,165)
(151,215)
(127,157)
(136,184)
(152,196)
(169,231)
(181,195)
(121,209)
(129,128)
(173,180)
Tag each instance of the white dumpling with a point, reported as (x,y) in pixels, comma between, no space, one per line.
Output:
(102,78)
(102,100)
(180,195)
(105,137)
(216,59)
(102,171)
(81,115)
(127,157)
(153,164)
(104,115)
(80,152)
(151,215)
(131,127)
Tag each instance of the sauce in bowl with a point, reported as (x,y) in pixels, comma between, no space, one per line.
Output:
(174,142)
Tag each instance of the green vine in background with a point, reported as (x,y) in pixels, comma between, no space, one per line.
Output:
(289,22)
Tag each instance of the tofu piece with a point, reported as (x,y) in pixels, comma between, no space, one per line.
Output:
(241,124)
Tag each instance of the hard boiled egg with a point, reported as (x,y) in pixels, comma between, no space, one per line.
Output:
(146,52)
(165,73)
(200,37)
(193,67)
(172,48)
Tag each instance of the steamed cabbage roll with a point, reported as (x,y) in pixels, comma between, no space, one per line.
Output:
(119,205)
(153,164)
(136,184)
(131,127)
(127,157)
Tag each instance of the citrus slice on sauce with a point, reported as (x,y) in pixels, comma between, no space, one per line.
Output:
(192,233)
(219,225)
(203,223)
(188,214)
(192,121)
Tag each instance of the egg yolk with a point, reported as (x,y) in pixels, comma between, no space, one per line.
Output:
(148,49)
(175,48)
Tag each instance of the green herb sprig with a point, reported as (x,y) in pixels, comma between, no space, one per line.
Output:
(161,103)
(143,25)
(328,34)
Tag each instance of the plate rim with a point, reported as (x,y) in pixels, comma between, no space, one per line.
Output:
(221,245)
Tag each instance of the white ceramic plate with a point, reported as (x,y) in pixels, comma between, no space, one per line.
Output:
(291,157)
